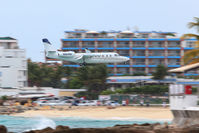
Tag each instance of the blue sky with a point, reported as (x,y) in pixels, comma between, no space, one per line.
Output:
(31,20)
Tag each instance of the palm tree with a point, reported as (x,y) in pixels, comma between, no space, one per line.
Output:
(192,56)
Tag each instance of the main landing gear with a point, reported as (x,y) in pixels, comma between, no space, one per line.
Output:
(82,64)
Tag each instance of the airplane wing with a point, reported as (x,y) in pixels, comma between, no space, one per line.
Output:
(82,57)
(79,57)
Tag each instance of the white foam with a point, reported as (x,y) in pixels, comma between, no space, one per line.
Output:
(42,122)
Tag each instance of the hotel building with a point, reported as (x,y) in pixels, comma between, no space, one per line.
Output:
(146,50)
(13,64)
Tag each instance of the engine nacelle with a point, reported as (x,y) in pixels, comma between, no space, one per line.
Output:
(66,54)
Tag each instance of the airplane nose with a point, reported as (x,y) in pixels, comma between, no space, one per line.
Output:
(126,58)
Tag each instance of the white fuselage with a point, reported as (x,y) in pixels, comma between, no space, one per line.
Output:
(87,57)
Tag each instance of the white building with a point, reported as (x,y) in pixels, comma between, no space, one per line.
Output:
(13,64)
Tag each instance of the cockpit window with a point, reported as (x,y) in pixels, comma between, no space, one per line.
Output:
(116,54)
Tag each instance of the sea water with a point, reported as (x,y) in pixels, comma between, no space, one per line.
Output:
(21,124)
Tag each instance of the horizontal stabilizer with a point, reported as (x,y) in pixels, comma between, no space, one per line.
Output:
(45,41)
(87,51)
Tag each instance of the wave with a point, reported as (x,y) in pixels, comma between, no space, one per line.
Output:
(41,123)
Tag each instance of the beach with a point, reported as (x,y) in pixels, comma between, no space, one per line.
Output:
(127,112)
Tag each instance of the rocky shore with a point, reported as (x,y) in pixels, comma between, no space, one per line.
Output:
(7,110)
(135,128)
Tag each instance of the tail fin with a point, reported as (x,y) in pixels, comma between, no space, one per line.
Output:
(47,45)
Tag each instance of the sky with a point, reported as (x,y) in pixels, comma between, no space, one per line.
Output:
(31,20)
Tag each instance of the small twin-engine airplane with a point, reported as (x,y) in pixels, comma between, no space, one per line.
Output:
(83,58)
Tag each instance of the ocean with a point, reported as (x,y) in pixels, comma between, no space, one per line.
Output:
(21,124)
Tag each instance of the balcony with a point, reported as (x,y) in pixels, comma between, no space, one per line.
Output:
(123,44)
(155,44)
(174,44)
(156,63)
(138,45)
(71,44)
(156,54)
(105,44)
(173,63)
(139,54)
(123,70)
(139,70)
(139,63)
(173,54)
(124,54)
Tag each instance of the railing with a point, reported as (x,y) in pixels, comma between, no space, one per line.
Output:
(105,46)
(138,54)
(171,46)
(173,63)
(155,63)
(155,46)
(122,46)
(125,36)
(139,63)
(71,46)
(138,46)
(173,54)
(124,54)
(156,54)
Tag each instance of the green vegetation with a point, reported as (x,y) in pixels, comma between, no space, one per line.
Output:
(194,90)
(147,89)
(92,78)
(160,72)
(45,76)
(192,56)
(4,98)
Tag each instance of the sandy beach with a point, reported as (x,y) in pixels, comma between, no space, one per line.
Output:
(104,113)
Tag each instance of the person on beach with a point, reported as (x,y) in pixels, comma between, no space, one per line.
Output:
(123,103)
(164,104)
(142,102)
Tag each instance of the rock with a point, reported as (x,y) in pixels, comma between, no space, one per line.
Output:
(62,128)
(135,128)
(145,124)
(3,129)
(45,130)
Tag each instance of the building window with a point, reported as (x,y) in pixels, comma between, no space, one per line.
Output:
(174,44)
(156,44)
(156,61)
(139,62)
(156,53)
(139,70)
(123,52)
(139,44)
(9,56)
(5,66)
(90,44)
(174,53)
(105,44)
(123,70)
(71,44)
(139,53)
(123,44)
